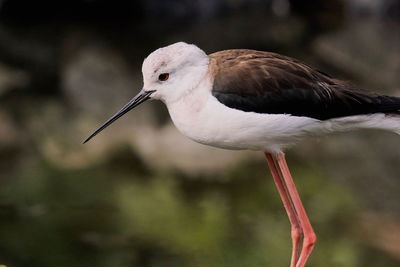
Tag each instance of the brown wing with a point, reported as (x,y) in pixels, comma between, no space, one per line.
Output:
(266,82)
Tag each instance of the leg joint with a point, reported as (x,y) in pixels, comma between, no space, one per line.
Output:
(309,240)
(297,232)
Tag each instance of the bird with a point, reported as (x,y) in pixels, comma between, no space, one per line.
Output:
(242,99)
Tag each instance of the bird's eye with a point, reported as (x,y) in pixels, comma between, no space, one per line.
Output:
(163,76)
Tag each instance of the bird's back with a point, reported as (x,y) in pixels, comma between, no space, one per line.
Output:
(271,83)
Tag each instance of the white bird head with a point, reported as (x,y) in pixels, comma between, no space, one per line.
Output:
(169,73)
(173,71)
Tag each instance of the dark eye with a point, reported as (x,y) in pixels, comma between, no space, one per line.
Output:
(163,76)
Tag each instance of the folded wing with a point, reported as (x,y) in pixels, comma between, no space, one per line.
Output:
(264,82)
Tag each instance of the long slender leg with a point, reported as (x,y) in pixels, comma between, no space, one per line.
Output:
(294,221)
(309,235)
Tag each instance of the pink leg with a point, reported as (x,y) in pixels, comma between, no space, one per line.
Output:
(294,221)
(309,235)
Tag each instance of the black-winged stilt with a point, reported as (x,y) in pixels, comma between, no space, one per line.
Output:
(246,99)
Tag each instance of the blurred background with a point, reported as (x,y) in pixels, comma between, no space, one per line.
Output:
(141,194)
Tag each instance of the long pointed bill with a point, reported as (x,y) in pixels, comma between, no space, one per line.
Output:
(138,99)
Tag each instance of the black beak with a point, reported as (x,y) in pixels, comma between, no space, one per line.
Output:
(138,99)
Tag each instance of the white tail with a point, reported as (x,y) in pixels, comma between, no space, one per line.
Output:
(389,122)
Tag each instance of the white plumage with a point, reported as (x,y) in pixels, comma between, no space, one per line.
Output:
(199,116)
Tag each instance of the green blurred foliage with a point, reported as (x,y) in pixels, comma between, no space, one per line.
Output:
(108,215)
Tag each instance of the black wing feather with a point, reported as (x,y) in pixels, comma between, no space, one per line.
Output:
(265,82)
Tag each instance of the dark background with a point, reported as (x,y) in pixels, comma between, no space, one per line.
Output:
(141,194)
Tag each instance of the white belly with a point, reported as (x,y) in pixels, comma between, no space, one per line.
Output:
(205,120)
